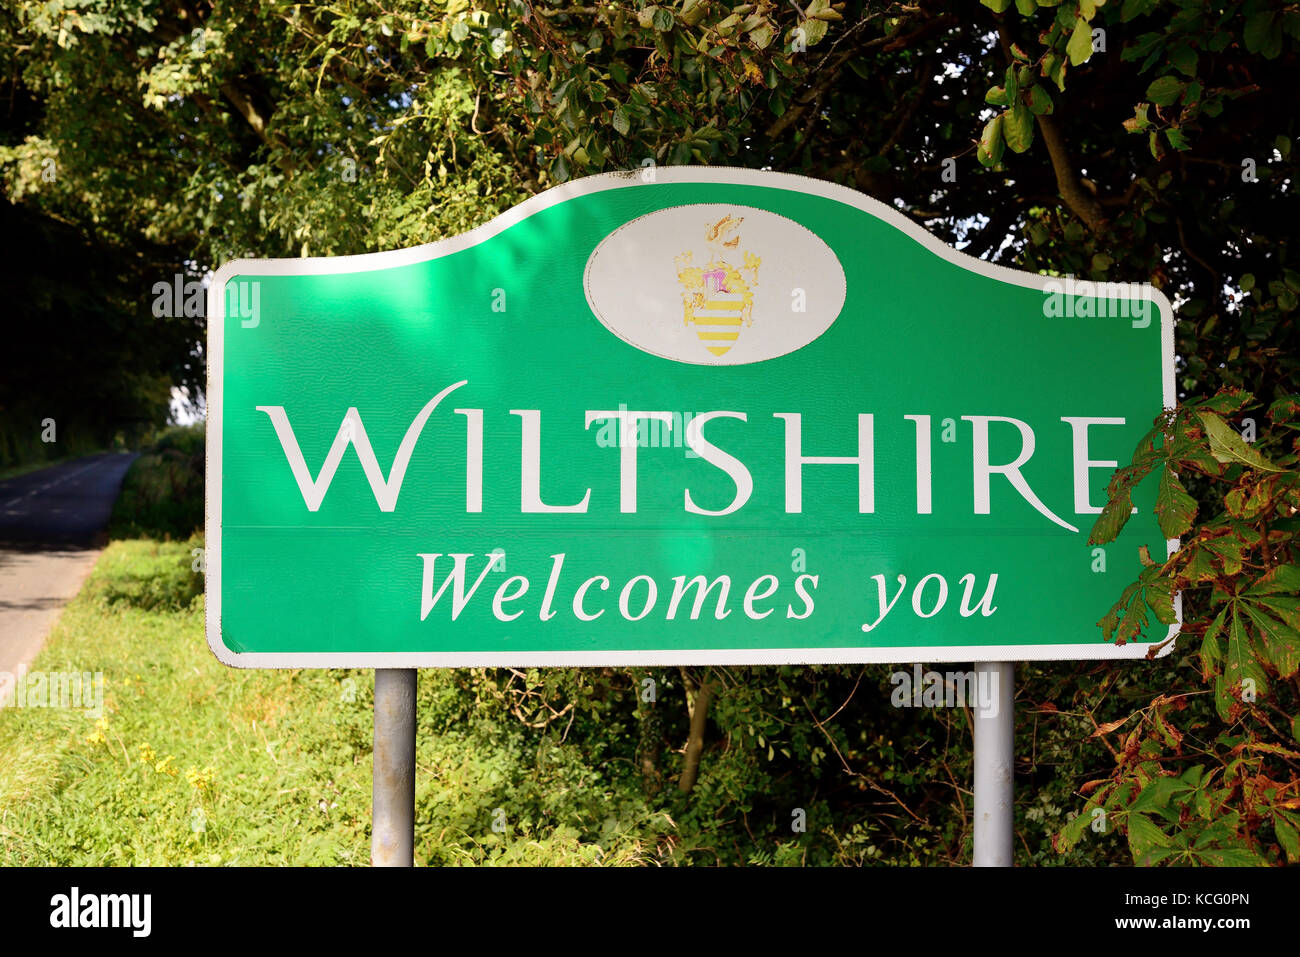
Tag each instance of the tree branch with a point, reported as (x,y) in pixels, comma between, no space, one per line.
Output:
(1078,198)
(826,71)
(251,114)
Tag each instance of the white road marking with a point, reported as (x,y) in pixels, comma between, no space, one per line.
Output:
(49,485)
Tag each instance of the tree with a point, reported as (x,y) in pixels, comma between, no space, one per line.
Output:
(1148,140)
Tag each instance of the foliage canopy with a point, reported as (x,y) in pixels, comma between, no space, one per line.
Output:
(1143,140)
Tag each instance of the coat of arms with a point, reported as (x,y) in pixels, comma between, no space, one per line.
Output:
(719,295)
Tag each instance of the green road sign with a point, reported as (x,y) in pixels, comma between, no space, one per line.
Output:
(674,416)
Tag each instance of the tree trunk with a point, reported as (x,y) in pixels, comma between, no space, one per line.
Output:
(651,742)
(699,710)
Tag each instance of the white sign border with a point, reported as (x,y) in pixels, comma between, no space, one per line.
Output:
(611,658)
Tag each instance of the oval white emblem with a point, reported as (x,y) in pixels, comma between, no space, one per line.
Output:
(715,284)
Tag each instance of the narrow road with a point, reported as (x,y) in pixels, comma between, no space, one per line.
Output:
(50,535)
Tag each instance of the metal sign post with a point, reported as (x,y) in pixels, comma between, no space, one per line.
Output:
(995,724)
(392,840)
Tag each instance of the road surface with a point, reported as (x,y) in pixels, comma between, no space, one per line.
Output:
(51,525)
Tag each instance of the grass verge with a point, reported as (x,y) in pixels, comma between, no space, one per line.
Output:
(190,762)
(195,763)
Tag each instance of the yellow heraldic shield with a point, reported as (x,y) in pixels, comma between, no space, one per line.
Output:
(718,297)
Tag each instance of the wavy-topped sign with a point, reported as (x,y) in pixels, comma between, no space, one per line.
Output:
(678,416)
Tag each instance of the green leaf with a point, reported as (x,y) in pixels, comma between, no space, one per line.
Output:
(693,12)
(1240,662)
(1282,580)
(1080,46)
(990,148)
(1175,509)
(1135,8)
(1287,835)
(1285,411)
(1159,594)
(1054,69)
(762,36)
(1281,641)
(1249,501)
(1198,566)
(620,121)
(813,31)
(1177,139)
(1039,101)
(1211,646)
(1018,128)
(1228,548)
(996,96)
(1227,402)
(1144,838)
(1164,90)
(1227,446)
(1184,59)
(663,20)
(1114,516)
(1263,34)
(1231,857)
(1138,121)
(1157,794)
(822,10)
(997,6)
(1072,833)
(729,25)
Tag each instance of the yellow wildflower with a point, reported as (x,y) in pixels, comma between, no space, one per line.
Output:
(98,736)
(199,780)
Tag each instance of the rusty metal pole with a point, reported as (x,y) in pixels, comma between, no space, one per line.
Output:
(392,837)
